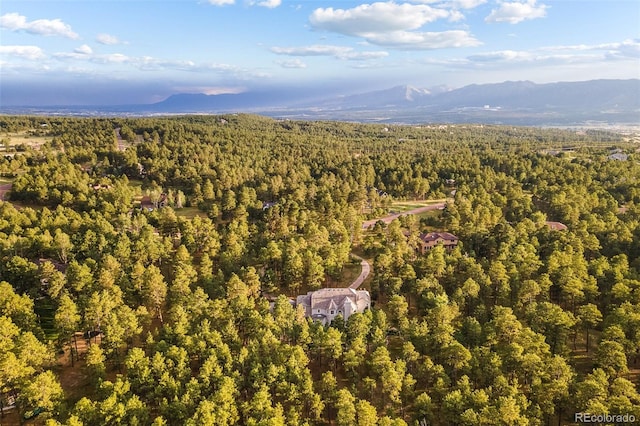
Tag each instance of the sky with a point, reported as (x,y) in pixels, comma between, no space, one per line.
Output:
(116,52)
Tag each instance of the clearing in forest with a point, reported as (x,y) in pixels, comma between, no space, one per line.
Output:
(14,139)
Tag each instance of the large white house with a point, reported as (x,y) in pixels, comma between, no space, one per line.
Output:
(326,304)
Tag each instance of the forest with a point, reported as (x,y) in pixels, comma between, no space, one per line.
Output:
(148,267)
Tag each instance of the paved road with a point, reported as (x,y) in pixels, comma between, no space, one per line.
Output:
(364,273)
(388,219)
(366,268)
(121,144)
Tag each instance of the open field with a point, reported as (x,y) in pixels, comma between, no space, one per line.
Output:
(23,138)
(406,205)
(190,212)
(429,213)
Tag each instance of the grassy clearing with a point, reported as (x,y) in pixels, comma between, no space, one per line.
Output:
(24,138)
(190,212)
(45,311)
(406,205)
(432,213)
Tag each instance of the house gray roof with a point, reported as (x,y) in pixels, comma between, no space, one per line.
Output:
(434,236)
(620,156)
(336,299)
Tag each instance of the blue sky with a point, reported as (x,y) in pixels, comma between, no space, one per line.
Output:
(141,51)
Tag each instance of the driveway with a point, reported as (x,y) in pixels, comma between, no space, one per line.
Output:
(364,273)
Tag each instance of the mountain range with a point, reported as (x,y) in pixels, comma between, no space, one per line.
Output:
(511,102)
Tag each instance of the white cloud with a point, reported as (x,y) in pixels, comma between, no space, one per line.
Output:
(79,55)
(107,39)
(597,54)
(375,18)
(148,63)
(515,12)
(628,48)
(395,25)
(292,63)
(502,56)
(25,52)
(45,27)
(114,58)
(73,55)
(365,56)
(338,52)
(230,71)
(210,90)
(467,4)
(83,50)
(271,4)
(407,40)
(452,4)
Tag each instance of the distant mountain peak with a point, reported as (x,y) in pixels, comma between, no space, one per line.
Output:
(522,102)
(413,93)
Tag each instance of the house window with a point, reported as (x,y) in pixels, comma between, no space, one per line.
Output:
(332,312)
(340,312)
(318,310)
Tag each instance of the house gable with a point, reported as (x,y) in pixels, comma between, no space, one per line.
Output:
(326,304)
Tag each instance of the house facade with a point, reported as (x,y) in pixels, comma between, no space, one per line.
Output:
(325,304)
(429,240)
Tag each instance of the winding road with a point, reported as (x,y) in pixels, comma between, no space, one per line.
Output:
(366,267)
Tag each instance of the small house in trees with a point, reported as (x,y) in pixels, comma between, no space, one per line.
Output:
(326,304)
(619,156)
(429,240)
